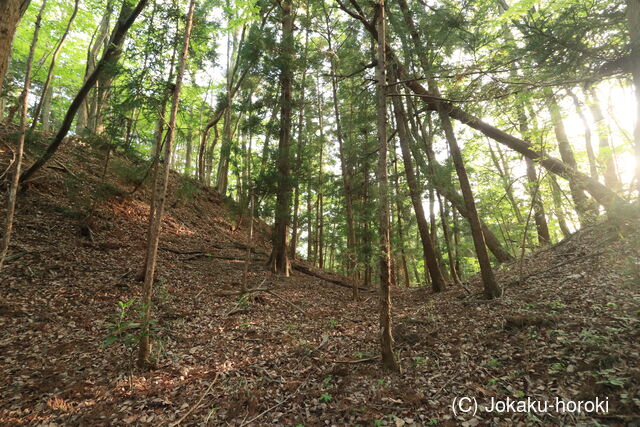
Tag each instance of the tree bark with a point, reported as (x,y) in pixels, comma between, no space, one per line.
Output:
(15,175)
(299,147)
(389,361)
(107,60)
(159,195)
(566,153)
(10,13)
(605,152)
(430,260)
(54,57)
(279,259)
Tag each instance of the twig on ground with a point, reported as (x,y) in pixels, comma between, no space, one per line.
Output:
(194,407)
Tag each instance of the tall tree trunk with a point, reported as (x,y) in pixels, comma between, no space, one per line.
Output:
(605,152)
(430,260)
(444,214)
(15,173)
(389,361)
(556,193)
(46,109)
(107,60)
(344,164)
(299,147)
(319,186)
(159,196)
(98,40)
(399,226)
(54,57)
(189,149)
(603,195)
(566,153)
(591,157)
(279,259)
(633,21)
(10,13)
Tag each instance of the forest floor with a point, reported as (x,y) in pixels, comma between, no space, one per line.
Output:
(567,327)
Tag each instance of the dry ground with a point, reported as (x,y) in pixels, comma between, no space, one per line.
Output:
(571,331)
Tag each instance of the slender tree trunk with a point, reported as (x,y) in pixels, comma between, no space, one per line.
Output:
(606,197)
(344,164)
(556,193)
(52,65)
(299,147)
(491,287)
(279,259)
(15,173)
(605,153)
(633,20)
(159,195)
(444,214)
(189,149)
(46,109)
(399,226)
(106,61)
(430,260)
(389,361)
(506,184)
(580,200)
(591,157)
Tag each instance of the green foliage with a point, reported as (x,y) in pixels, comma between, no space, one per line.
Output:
(127,326)
(325,397)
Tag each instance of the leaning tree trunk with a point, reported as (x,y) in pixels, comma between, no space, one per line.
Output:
(279,259)
(106,62)
(15,176)
(430,258)
(433,102)
(389,361)
(159,196)
(52,65)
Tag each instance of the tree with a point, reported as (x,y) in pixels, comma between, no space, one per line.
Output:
(10,13)
(159,197)
(279,259)
(15,173)
(389,361)
(107,60)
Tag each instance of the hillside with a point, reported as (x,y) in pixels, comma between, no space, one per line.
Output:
(568,325)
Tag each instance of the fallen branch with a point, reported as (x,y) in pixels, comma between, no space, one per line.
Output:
(308,271)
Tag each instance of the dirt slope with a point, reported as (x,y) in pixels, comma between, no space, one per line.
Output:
(571,331)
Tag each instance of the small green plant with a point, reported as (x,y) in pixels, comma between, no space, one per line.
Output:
(494,363)
(432,422)
(519,393)
(382,382)
(331,324)
(418,360)
(610,378)
(244,301)
(493,381)
(127,327)
(325,397)
(557,367)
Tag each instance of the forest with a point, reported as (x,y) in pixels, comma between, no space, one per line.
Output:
(320,212)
